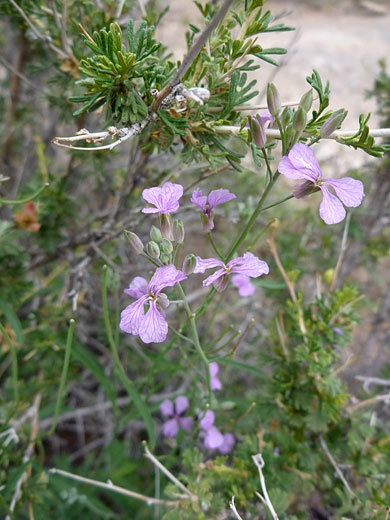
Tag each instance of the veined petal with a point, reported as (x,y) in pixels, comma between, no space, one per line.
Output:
(208,420)
(181,404)
(331,209)
(165,198)
(137,288)
(244,285)
(349,191)
(165,276)
(211,279)
(150,210)
(249,265)
(213,439)
(227,444)
(132,316)
(153,328)
(170,428)
(186,423)
(199,200)
(302,158)
(220,196)
(206,263)
(166,408)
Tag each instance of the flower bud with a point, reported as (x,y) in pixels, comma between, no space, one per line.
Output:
(256,126)
(189,264)
(306,101)
(178,231)
(287,116)
(299,120)
(153,250)
(134,241)
(166,225)
(333,122)
(273,99)
(329,275)
(220,283)
(155,234)
(166,246)
(165,259)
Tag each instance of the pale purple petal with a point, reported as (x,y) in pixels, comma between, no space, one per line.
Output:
(300,164)
(227,444)
(208,420)
(165,198)
(215,384)
(214,438)
(206,263)
(137,288)
(181,404)
(304,189)
(186,423)
(150,210)
(166,408)
(249,265)
(214,368)
(170,428)
(331,209)
(165,276)
(220,196)
(349,191)
(336,330)
(132,316)
(153,328)
(214,277)
(266,116)
(199,200)
(244,285)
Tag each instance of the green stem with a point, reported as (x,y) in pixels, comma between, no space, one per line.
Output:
(277,203)
(192,319)
(214,246)
(27,199)
(64,375)
(269,171)
(14,357)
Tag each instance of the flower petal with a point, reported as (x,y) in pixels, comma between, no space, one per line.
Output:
(213,278)
(153,328)
(349,191)
(137,288)
(244,285)
(170,428)
(186,423)
(206,263)
(220,196)
(181,404)
(165,276)
(199,200)
(300,164)
(132,316)
(165,198)
(214,368)
(249,265)
(331,209)
(214,438)
(215,384)
(227,444)
(166,408)
(208,420)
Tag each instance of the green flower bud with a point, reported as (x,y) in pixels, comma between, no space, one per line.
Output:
(189,264)
(333,122)
(299,120)
(134,241)
(256,126)
(273,99)
(153,250)
(178,231)
(329,275)
(166,246)
(165,259)
(306,101)
(155,234)
(287,116)
(166,225)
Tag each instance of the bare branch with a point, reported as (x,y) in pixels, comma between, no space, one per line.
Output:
(233,508)
(258,460)
(368,381)
(336,466)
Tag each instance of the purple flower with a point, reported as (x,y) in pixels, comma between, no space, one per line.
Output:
(336,330)
(208,203)
(166,198)
(171,427)
(249,265)
(214,439)
(215,382)
(152,326)
(244,285)
(302,164)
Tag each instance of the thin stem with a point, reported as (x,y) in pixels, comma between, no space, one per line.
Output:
(335,465)
(192,318)
(64,374)
(259,462)
(342,251)
(214,246)
(27,199)
(269,171)
(14,357)
(277,203)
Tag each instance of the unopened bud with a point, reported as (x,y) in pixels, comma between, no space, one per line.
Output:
(256,126)
(134,241)
(166,225)
(189,264)
(165,259)
(333,122)
(153,250)
(306,101)
(166,246)
(273,99)
(220,283)
(178,231)
(299,120)
(329,275)
(287,116)
(155,234)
